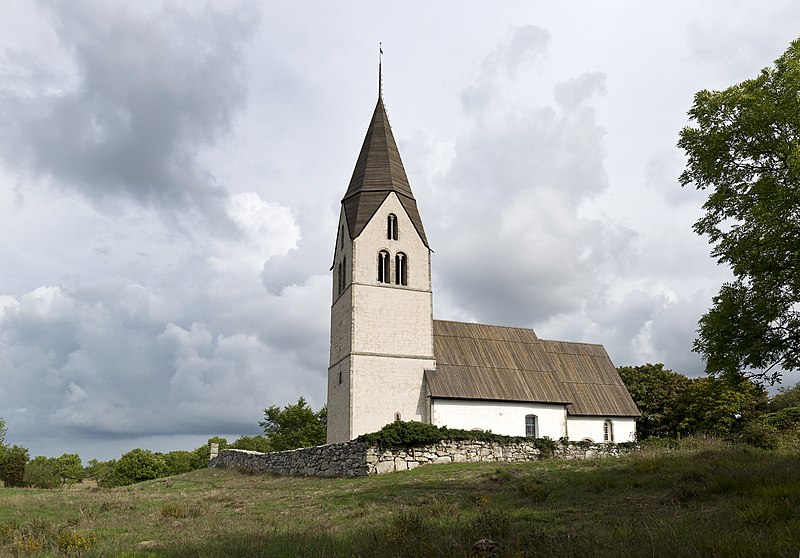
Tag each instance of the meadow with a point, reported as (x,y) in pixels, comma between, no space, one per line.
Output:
(704,499)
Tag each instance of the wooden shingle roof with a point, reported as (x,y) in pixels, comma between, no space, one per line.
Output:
(378,172)
(478,361)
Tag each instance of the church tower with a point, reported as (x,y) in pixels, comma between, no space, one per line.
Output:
(382,309)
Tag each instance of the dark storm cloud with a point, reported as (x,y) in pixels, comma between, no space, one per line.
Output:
(146,91)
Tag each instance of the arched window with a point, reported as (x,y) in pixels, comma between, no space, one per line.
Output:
(339,278)
(397,416)
(400,269)
(340,376)
(391,227)
(344,274)
(530,426)
(608,431)
(341,237)
(383,267)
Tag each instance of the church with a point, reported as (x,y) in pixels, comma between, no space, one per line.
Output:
(390,360)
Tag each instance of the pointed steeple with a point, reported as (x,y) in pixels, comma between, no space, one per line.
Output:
(379,172)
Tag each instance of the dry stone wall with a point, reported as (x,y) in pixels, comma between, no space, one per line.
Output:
(357,459)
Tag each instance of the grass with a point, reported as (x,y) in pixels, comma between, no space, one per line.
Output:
(703,501)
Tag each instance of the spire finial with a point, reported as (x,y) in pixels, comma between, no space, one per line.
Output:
(380,71)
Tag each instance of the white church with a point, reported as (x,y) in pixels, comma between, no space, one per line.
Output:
(390,360)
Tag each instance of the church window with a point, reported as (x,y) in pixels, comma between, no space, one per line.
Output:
(340,376)
(341,237)
(608,431)
(391,227)
(530,426)
(397,416)
(400,269)
(383,267)
(344,273)
(340,277)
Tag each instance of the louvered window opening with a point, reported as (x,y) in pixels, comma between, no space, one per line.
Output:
(391,227)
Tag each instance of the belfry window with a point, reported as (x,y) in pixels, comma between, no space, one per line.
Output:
(530,426)
(608,431)
(400,269)
(341,237)
(391,227)
(339,279)
(383,267)
(344,273)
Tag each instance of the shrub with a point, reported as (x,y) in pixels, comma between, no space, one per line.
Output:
(135,466)
(759,435)
(179,462)
(179,511)
(412,433)
(75,542)
(42,472)
(12,465)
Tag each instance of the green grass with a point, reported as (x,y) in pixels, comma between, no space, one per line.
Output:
(703,501)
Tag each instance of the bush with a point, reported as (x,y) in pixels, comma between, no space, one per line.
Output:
(42,472)
(135,466)
(12,465)
(75,542)
(759,435)
(179,462)
(405,434)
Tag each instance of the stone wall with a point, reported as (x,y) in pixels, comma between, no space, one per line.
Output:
(356,459)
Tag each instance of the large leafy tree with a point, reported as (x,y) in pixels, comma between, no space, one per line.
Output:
(744,148)
(674,405)
(294,426)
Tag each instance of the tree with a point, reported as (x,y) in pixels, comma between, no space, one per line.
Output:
(251,443)
(659,393)
(42,472)
(138,465)
(294,426)
(674,405)
(70,468)
(12,465)
(786,397)
(744,147)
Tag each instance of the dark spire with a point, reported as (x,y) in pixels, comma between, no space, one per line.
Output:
(379,171)
(380,71)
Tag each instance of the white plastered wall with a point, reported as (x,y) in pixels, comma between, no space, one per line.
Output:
(591,428)
(501,417)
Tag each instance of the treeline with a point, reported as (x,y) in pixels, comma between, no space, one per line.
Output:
(291,427)
(727,407)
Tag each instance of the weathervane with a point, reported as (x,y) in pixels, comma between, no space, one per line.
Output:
(380,74)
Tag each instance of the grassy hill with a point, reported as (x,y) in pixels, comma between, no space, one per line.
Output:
(704,500)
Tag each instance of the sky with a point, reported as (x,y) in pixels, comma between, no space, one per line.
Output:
(171,175)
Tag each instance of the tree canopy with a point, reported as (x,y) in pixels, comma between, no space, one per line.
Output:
(294,426)
(744,148)
(674,405)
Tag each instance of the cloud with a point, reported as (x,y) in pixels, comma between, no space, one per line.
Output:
(147,90)
(527,45)
(518,250)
